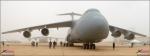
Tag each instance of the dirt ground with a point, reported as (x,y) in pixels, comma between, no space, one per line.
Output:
(102,49)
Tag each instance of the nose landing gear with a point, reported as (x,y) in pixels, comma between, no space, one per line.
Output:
(89,46)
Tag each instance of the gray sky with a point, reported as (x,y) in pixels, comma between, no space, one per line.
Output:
(131,15)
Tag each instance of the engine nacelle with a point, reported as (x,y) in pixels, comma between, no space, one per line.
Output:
(26,34)
(116,33)
(129,36)
(45,31)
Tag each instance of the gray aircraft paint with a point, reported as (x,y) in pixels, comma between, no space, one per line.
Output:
(91,27)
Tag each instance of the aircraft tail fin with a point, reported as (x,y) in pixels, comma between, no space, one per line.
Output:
(72,14)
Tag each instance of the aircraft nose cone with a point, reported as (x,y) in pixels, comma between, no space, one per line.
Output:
(94,28)
(91,27)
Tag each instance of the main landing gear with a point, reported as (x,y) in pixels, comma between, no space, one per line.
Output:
(89,46)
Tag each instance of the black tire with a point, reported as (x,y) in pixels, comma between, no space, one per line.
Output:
(64,44)
(94,46)
(87,45)
(67,44)
(71,44)
(91,47)
(84,46)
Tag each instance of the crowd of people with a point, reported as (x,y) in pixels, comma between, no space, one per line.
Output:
(34,44)
(51,44)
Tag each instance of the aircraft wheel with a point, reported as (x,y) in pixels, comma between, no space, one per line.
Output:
(91,46)
(87,46)
(84,46)
(67,44)
(71,44)
(94,46)
(64,44)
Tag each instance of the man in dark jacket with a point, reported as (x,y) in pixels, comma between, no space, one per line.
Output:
(54,44)
(114,46)
(50,44)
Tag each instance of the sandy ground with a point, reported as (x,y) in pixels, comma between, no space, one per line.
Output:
(102,49)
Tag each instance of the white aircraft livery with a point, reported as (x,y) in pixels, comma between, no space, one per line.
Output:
(92,27)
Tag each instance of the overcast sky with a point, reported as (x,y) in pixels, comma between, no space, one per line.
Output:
(131,15)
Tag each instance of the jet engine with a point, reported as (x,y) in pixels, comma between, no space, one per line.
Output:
(115,32)
(129,36)
(26,34)
(45,31)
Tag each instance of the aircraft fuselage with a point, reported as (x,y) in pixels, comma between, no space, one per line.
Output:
(92,27)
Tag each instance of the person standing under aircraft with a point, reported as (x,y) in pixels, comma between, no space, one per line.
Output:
(33,43)
(114,46)
(144,44)
(36,44)
(132,44)
(54,44)
(3,43)
(61,43)
(50,44)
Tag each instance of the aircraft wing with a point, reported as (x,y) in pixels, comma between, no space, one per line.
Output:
(53,25)
(125,31)
(39,37)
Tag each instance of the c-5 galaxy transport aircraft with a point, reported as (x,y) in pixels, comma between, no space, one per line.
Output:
(92,27)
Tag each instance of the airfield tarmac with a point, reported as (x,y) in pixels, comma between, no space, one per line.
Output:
(102,49)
